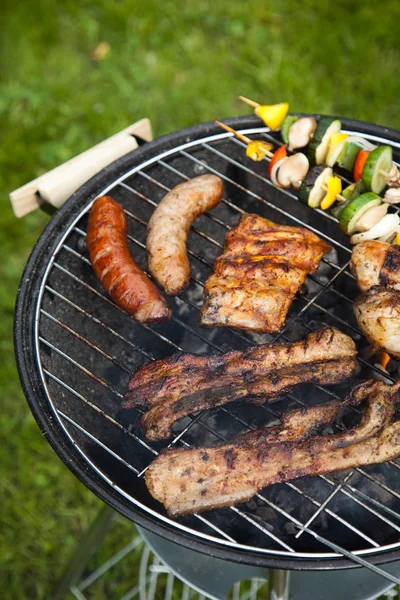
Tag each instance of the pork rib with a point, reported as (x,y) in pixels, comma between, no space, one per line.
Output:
(187,481)
(258,274)
(172,388)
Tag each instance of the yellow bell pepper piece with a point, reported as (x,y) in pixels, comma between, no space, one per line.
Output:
(334,187)
(272,114)
(257,149)
(336,139)
(397,240)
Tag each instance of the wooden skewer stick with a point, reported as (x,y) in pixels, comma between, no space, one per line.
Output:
(338,196)
(249,102)
(240,136)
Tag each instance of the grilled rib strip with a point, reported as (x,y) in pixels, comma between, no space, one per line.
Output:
(175,387)
(258,274)
(187,481)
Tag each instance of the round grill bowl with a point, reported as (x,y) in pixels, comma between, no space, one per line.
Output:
(75,350)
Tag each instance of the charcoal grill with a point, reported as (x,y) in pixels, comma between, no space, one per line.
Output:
(75,351)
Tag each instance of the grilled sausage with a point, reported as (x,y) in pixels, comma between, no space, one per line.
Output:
(169,227)
(113,264)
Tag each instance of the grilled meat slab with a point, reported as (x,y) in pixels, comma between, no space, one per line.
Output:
(376,263)
(187,481)
(258,274)
(376,267)
(378,315)
(175,387)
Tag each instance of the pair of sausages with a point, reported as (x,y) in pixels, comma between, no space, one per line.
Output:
(109,254)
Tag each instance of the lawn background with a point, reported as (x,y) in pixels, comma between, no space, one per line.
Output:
(179,64)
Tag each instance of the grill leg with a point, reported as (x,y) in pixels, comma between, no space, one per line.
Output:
(84,551)
(278,580)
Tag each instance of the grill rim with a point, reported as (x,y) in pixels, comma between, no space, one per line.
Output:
(29,372)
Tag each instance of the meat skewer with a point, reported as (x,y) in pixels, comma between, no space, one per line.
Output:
(187,481)
(169,227)
(258,274)
(172,388)
(113,264)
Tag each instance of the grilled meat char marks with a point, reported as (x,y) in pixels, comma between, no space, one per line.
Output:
(185,483)
(258,274)
(172,388)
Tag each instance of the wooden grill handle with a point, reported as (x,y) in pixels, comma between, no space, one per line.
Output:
(56,186)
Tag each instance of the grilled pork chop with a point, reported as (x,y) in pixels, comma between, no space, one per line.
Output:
(187,481)
(172,388)
(258,274)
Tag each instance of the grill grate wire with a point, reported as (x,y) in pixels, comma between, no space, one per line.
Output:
(132,191)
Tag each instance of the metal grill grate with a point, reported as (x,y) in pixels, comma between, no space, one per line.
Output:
(87,347)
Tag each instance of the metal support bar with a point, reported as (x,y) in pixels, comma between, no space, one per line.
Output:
(278,580)
(84,551)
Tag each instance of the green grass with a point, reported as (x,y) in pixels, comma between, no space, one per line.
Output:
(179,64)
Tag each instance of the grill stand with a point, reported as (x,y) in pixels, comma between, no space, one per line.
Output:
(215,578)
(278,584)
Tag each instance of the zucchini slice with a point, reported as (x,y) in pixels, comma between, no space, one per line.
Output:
(380,159)
(355,210)
(350,192)
(318,147)
(339,208)
(347,156)
(311,191)
(353,190)
(286,125)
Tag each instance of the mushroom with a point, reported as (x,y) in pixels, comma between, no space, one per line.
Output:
(392,195)
(393,177)
(293,170)
(301,132)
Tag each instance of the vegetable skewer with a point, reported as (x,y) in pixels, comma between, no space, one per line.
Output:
(361,215)
(256,151)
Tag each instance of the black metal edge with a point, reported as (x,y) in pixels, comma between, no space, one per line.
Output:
(24,323)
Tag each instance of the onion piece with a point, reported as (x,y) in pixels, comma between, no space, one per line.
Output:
(388,238)
(362,142)
(275,169)
(388,224)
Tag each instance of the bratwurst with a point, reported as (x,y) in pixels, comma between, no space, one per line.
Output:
(113,264)
(169,227)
